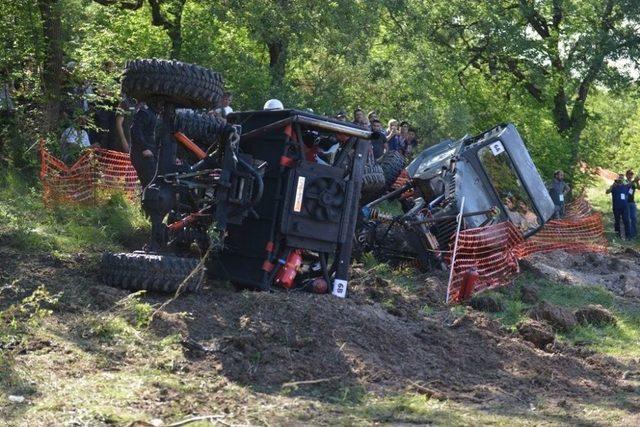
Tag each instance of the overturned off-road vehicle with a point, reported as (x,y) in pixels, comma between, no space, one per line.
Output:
(487,178)
(251,199)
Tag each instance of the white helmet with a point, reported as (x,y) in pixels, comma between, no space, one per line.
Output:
(273,104)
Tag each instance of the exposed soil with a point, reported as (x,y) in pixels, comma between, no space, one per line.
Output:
(382,339)
(540,334)
(559,318)
(618,272)
(595,315)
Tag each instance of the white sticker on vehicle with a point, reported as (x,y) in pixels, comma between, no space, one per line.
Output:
(297,205)
(623,196)
(340,288)
(561,197)
(497,148)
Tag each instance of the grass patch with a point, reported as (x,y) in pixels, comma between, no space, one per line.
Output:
(403,275)
(27,225)
(574,296)
(413,408)
(25,315)
(622,339)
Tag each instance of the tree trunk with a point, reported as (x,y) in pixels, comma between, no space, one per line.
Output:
(172,23)
(50,12)
(578,124)
(277,61)
(175,34)
(560,113)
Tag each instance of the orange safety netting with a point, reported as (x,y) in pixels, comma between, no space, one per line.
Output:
(96,170)
(494,251)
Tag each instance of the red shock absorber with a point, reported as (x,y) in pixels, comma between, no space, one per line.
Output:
(287,274)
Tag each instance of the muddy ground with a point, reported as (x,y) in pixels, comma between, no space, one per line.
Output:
(385,339)
(618,272)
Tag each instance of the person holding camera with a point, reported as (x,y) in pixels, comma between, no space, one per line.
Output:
(393,136)
(619,191)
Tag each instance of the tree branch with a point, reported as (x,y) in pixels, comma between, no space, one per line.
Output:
(157,18)
(558,14)
(598,58)
(534,18)
(514,69)
(129,5)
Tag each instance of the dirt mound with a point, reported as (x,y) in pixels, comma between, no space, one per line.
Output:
(537,333)
(486,303)
(385,338)
(595,315)
(379,339)
(617,272)
(529,294)
(560,318)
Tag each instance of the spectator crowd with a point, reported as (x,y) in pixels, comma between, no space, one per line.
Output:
(398,136)
(93,117)
(623,202)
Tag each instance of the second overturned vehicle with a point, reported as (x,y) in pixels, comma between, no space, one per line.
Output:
(488,178)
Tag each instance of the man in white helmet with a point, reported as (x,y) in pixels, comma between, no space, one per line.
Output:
(273,104)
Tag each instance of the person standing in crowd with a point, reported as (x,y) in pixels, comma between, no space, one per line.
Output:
(404,132)
(79,94)
(619,191)
(558,191)
(410,143)
(124,115)
(105,132)
(144,151)
(74,139)
(392,127)
(371,117)
(379,142)
(359,118)
(342,116)
(225,105)
(631,202)
(393,136)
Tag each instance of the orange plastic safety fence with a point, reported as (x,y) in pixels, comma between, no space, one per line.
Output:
(490,251)
(494,251)
(95,171)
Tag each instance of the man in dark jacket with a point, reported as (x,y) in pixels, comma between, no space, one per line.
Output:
(144,151)
(620,201)
(633,186)
(379,141)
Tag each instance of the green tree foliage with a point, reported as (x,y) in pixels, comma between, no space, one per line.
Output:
(554,50)
(552,67)
(166,14)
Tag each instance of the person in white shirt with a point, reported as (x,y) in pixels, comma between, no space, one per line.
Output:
(225,106)
(74,139)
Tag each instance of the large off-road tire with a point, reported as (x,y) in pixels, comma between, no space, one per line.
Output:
(138,271)
(392,163)
(395,243)
(201,128)
(184,85)
(373,184)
